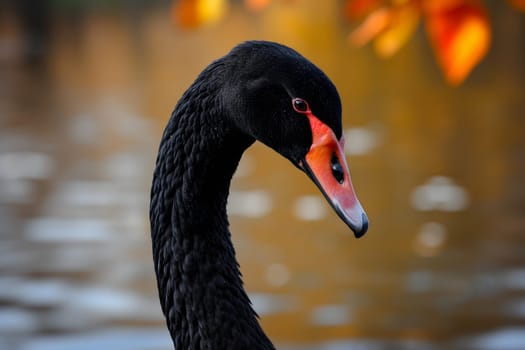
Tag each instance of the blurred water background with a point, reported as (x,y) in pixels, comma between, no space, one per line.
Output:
(85,91)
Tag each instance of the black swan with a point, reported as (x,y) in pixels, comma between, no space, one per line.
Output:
(259,91)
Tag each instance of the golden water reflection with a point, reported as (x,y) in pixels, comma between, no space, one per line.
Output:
(439,171)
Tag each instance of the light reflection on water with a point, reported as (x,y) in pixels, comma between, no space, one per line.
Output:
(441,194)
(443,264)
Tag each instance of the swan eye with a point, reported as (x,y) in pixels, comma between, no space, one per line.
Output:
(300,105)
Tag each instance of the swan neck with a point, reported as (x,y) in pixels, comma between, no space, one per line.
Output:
(198,278)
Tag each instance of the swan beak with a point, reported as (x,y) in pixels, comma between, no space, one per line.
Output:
(325,164)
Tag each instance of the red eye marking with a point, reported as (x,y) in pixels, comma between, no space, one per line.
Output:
(300,105)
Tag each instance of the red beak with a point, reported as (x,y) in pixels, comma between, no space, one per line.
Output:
(325,164)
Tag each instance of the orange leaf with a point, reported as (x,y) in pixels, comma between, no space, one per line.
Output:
(191,14)
(355,9)
(184,14)
(517,4)
(460,36)
(257,5)
(374,24)
(441,5)
(403,24)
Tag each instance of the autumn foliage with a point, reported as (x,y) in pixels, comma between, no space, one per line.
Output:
(459,30)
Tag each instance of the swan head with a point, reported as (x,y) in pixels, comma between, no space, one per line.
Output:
(278,97)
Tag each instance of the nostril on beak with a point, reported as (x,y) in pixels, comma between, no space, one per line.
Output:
(337,169)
